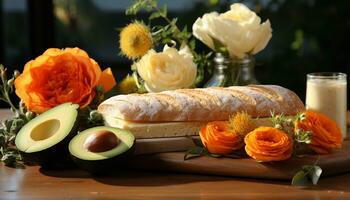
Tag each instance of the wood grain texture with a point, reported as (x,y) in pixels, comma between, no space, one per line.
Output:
(34,183)
(336,163)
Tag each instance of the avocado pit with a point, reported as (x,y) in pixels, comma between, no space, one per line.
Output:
(101,141)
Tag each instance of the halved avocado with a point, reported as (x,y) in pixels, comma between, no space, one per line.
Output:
(101,149)
(45,138)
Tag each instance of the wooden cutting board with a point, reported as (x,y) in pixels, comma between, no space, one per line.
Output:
(332,164)
(161,145)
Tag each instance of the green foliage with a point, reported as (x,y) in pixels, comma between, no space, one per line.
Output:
(89,117)
(199,150)
(195,152)
(170,34)
(6,86)
(99,96)
(287,124)
(310,174)
(140,83)
(10,127)
(139,5)
(302,136)
(162,12)
(203,62)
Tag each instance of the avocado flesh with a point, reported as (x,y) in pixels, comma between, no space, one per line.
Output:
(45,138)
(76,146)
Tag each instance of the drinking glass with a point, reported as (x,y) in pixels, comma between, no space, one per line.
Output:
(326,93)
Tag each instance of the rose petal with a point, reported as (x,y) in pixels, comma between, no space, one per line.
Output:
(107,80)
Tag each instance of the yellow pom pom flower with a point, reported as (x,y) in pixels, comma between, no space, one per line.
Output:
(135,40)
(241,123)
(127,85)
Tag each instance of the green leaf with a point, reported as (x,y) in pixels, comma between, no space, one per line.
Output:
(17,124)
(197,142)
(139,5)
(163,11)
(2,139)
(313,172)
(185,35)
(191,155)
(95,119)
(194,152)
(154,15)
(300,179)
(173,22)
(213,155)
(236,155)
(9,128)
(140,83)
(8,159)
(310,174)
(192,44)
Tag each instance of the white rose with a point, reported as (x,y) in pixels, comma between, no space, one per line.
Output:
(167,70)
(238,29)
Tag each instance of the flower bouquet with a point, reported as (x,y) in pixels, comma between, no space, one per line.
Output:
(235,36)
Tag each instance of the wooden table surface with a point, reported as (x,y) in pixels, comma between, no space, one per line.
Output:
(36,183)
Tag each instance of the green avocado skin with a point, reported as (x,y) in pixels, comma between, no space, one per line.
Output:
(55,157)
(106,166)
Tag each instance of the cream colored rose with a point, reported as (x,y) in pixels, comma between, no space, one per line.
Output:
(167,70)
(238,29)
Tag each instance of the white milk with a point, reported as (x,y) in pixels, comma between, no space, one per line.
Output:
(329,97)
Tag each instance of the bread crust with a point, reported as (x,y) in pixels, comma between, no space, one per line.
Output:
(202,104)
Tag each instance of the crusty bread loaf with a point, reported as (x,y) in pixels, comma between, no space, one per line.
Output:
(202,104)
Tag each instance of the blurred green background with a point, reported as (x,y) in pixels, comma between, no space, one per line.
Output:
(308,35)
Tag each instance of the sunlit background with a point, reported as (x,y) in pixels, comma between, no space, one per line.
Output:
(308,35)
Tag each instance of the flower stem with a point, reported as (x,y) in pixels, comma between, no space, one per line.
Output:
(8,100)
(5,89)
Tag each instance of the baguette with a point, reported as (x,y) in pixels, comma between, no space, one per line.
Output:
(202,104)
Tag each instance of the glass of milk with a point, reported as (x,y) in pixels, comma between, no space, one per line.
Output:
(326,93)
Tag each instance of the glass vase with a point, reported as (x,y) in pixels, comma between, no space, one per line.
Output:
(232,71)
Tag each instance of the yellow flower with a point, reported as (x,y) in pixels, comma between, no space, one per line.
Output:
(241,123)
(127,85)
(135,40)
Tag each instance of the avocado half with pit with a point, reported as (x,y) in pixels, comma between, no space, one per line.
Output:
(102,149)
(44,139)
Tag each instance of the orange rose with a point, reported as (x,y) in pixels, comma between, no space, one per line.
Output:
(326,135)
(59,76)
(219,139)
(268,144)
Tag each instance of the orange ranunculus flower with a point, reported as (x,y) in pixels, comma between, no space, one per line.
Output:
(58,76)
(268,144)
(326,135)
(217,137)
